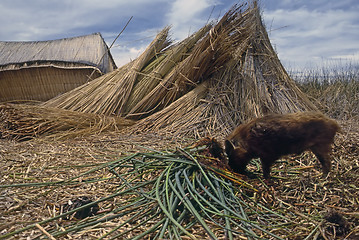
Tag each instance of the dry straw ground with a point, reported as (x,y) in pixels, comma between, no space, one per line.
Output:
(297,193)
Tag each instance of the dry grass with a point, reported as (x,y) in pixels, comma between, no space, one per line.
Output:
(233,57)
(24,122)
(250,83)
(297,191)
(335,90)
(44,161)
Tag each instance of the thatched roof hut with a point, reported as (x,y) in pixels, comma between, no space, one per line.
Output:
(41,70)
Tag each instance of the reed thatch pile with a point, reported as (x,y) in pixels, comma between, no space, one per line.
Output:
(23,122)
(205,85)
(251,82)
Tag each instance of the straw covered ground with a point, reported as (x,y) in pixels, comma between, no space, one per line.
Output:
(40,176)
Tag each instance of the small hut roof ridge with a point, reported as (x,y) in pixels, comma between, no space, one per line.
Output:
(87,50)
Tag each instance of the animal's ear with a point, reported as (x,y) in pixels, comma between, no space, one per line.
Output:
(228,146)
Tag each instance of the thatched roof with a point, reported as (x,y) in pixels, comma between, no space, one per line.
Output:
(77,52)
(42,70)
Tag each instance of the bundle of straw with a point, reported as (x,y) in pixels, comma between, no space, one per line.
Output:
(23,122)
(157,77)
(109,93)
(207,84)
(251,83)
(208,56)
(162,75)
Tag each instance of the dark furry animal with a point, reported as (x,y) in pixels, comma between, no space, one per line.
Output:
(273,136)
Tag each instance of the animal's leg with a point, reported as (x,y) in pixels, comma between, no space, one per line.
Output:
(236,167)
(322,153)
(266,167)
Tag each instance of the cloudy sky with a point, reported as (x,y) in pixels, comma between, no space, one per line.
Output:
(305,33)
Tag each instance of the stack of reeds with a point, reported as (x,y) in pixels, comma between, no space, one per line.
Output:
(207,84)
(163,74)
(23,122)
(109,93)
(250,83)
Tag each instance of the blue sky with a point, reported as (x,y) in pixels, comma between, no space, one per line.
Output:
(305,33)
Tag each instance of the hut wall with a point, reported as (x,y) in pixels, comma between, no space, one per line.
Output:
(41,83)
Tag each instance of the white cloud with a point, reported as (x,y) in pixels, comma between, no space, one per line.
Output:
(187,16)
(184,16)
(123,55)
(354,57)
(302,30)
(40,20)
(303,36)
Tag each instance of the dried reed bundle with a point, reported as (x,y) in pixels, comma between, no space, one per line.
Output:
(208,56)
(178,117)
(109,93)
(157,78)
(251,83)
(168,61)
(23,122)
(79,98)
(242,74)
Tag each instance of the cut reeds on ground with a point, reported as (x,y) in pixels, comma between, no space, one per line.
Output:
(24,122)
(178,192)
